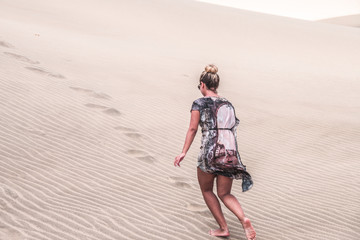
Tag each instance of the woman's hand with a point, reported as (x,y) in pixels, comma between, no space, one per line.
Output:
(178,159)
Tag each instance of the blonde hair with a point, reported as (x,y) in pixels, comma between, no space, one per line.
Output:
(210,77)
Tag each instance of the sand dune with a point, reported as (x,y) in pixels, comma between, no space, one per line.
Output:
(95,99)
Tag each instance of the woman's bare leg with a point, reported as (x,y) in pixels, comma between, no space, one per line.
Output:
(206,182)
(224,185)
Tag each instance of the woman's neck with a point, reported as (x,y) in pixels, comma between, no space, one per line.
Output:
(210,94)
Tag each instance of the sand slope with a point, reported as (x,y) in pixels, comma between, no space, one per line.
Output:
(95,99)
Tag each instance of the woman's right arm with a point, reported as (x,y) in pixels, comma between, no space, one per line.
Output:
(190,135)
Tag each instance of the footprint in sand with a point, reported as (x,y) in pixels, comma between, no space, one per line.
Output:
(81,89)
(196,207)
(141,155)
(21,58)
(109,111)
(122,128)
(11,193)
(179,182)
(91,105)
(100,95)
(136,136)
(8,233)
(112,112)
(44,72)
(5,44)
(130,132)
(92,93)
(199,209)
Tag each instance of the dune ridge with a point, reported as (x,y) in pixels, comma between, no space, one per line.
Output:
(348,20)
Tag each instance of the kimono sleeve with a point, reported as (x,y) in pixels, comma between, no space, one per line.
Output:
(195,106)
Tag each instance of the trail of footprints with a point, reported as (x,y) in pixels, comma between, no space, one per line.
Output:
(129,132)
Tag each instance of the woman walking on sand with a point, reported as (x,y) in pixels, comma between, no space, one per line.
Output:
(219,157)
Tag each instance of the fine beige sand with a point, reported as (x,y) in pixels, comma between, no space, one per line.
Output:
(95,101)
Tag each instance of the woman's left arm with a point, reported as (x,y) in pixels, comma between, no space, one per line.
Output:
(194,123)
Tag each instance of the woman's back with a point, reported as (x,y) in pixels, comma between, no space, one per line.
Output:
(219,150)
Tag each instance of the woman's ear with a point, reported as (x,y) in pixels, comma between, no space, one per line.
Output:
(205,87)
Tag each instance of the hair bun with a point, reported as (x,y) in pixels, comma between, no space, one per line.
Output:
(211,68)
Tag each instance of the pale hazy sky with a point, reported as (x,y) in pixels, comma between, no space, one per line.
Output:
(302,9)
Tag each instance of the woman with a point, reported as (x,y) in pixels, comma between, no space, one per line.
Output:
(219,157)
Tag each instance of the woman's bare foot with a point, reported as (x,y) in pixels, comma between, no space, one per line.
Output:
(219,232)
(249,230)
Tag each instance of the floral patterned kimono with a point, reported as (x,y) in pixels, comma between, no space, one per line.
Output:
(219,150)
